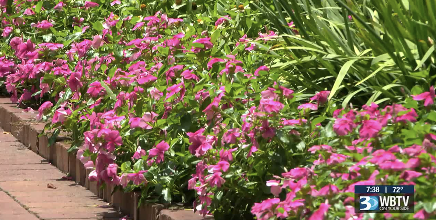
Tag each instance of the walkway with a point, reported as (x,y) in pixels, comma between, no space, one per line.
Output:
(32,189)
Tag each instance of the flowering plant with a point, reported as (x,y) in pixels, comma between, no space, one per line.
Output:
(191,108)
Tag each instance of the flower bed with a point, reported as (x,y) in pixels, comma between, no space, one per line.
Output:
(197,115)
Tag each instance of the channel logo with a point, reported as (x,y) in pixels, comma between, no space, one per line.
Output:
(369,203)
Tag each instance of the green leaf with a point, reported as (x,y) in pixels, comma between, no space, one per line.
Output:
(215,36)
(119,24)
(340,77)
(126,167)
(108,90)
(282,136)
(317,120)
(301,146)
(97,26)
(186,122)
(47,37)
(432,116)
(426,56)
(38,6)
(53,137)
(410,103)
(104,68)
(167,195)
(198,45)
(429,207)
(138,166)
(112,72)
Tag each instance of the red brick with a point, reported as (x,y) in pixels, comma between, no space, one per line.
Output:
(46,151)
(117,198)
(127,204)
(180,215)
(80,173)
(87,182)
(10,209)
(93,187)
(107,197)
(33,133)
(5,119)
(149,211)
(72,165)
(5,100)
(60,158)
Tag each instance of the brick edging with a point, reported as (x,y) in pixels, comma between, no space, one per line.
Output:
(24,127)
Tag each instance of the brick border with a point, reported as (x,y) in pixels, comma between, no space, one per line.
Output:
(24,127)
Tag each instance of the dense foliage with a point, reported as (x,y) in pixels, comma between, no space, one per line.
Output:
(205,103)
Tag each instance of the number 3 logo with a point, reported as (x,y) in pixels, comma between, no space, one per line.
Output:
(368,203)
(365,202)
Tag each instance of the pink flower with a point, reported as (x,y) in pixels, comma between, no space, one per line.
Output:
(7,31)
(287,92)
(315,148)
(51,46)
(95,89)
(115,2)
(174,89)
(343,126)
(43,109)
(221,166)
(275,187)
(231,136)
(308,106)
(428,97)
(97,41)
(159,151)
(29,12)
(74,82)
(213,61)
(263,210)
(222,20)
(321,97)
(327,190)
(296,173)
(215,179)
(93,176)
(261,68)
(413,163)
(321,212)
(292,122)
(269,94)
(138,25)
(409,175)
(44,25)
(381,156)
(187,74)
(336,159)
(137,178)
(392,165)
(227,154)
(270,106)
(139,153)
(112,138)
(370,129)
(59,6)
(199,143)
(142,122)
(90,4)
(60,115)
(156,94)
(206,43)
(421,214)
